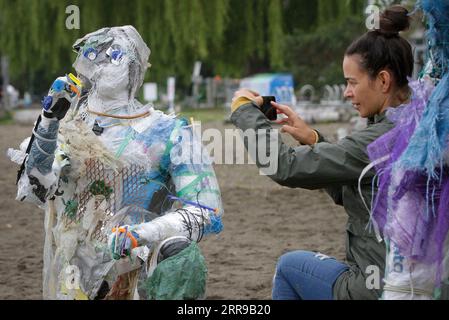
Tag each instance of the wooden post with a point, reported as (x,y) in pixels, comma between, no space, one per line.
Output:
(5,77)
(196,82)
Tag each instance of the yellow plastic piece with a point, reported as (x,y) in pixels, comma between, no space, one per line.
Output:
(80,295)
(75,80)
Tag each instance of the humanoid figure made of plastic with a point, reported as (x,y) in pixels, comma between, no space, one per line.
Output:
(116,179)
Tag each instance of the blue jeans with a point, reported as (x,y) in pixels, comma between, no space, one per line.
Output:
(303,275)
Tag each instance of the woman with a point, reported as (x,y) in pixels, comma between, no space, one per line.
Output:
(376,67)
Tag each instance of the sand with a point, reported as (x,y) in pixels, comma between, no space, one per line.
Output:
(262,221)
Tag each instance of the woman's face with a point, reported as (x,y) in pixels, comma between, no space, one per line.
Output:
(366,94)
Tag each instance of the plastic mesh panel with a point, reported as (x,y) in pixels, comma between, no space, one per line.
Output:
(126,189)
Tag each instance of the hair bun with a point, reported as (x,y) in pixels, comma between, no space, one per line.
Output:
(394,20)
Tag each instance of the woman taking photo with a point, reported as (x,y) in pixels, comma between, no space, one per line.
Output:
(376,67)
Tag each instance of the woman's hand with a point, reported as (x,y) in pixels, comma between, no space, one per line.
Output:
(295,126)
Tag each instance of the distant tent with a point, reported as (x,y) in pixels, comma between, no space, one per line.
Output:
(280,85)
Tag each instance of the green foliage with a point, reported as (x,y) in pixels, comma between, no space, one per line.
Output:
(300,15)
(316,58)
(232,38)
(386,3)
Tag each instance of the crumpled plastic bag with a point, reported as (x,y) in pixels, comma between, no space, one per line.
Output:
(180,277)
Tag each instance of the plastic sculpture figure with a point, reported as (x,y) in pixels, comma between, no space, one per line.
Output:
(120,182)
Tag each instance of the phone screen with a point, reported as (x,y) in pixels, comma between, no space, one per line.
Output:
(268,110)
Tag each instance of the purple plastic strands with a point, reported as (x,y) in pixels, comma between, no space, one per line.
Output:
(442,226)
(402,208)
(394,142)
(412,203)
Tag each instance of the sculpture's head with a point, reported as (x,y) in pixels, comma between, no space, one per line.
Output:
(112,62)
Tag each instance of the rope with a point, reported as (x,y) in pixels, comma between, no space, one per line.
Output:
(362,175)
(42,138)
(404,289)
(42,150)
(132,117)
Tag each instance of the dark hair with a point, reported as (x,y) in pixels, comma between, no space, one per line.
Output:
(385,48)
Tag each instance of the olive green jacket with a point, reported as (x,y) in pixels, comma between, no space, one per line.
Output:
(335,168)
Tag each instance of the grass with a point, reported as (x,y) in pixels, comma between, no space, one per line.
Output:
(6,118)
(204,115)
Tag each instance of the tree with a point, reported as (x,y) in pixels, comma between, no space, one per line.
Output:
(232,38)
(315,57)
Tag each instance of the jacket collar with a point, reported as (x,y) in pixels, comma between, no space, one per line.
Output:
(377,118)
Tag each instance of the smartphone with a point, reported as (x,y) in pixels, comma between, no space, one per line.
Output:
(268,110)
